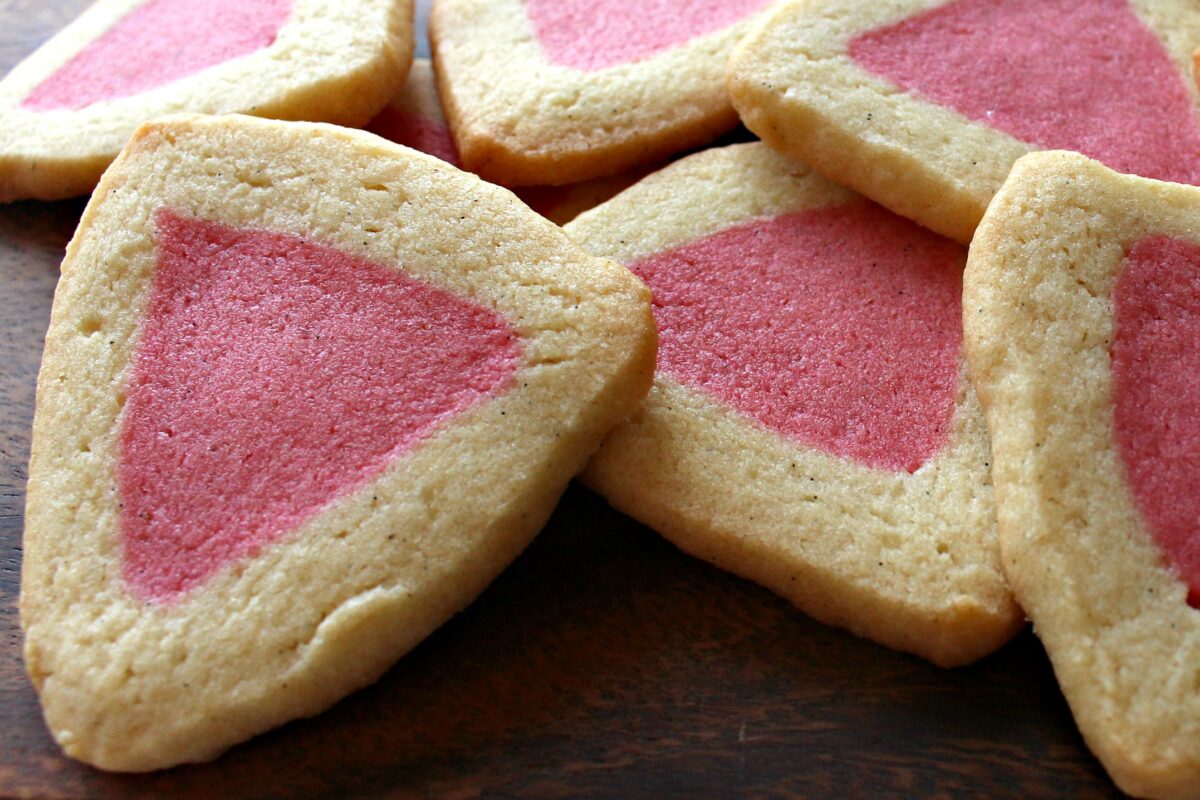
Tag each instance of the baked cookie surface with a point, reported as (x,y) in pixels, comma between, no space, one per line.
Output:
(297,407)
(811,426)
(1081,314)
(414,118)
(68,109)
(924,105)
(559,91)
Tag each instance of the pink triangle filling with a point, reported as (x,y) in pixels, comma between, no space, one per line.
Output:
(1156,394)
(597,34)
(839,327)
(157,43)
(1083,75)
(274,375)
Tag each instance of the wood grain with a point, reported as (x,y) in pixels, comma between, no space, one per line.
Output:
(603,663)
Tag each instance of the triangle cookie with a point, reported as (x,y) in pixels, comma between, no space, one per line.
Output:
(68,109)
(1082,306)
(811,425)
(559,91)
(924,105)
(304,394)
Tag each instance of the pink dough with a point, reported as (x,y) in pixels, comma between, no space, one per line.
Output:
(838,327)
(159,42)
(1083,75)
(1156,394)
(419,133)
(274,375)
(595,34)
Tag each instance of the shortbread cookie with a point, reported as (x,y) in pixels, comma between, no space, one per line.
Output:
(811,425)
(1082,303)
(414,118)
(67,110)
(924,105)
(558,91)
(304,394)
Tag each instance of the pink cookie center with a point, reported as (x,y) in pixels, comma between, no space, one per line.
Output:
(159,42)
(274,375)
(1083,75)
(1156,415)
(595,34)
(839,327)
(419,133)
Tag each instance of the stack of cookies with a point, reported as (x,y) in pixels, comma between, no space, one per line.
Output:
(905,361)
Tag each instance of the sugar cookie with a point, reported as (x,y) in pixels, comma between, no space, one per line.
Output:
(66,110)
(559,91)
(811,425)
(924,105)
(304,394)
(1082,306)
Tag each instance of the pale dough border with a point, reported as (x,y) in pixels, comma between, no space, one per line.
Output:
(559,204)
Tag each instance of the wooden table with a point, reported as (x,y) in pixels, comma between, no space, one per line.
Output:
(603,663)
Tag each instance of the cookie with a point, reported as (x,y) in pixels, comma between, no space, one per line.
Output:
(924,105)
(414,118)
(68,109)
(1082,307)
(559,91)
(811,425)
(304,394)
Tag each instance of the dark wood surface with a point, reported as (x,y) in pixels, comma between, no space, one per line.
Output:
(603,663)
